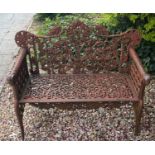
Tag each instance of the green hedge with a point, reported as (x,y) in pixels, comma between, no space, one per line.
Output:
(64,20)
(43,16)
(115,22)
(145,23)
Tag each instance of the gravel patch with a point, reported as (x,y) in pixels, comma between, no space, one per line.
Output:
(104,123)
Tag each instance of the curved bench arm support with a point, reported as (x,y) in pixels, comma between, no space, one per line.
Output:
(19,74)
(138,75)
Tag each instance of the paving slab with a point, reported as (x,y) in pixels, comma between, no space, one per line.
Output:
(10,24)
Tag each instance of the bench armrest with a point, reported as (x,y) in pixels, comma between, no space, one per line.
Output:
(138,75)
(136,60)
(19,74)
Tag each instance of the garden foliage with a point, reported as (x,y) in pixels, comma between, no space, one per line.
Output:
(145,23)
(115,22)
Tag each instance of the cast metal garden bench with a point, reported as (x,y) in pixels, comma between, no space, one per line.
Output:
(78,65)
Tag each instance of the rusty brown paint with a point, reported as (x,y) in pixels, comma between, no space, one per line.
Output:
(82,64)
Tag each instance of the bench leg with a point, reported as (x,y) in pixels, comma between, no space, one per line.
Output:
(138,108)
(19,110)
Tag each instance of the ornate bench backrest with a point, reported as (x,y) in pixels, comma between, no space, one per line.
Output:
(78,48)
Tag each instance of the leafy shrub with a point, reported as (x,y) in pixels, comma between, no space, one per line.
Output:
(145,23)
(64,21)
(115,22)
(146,51)
(43,16)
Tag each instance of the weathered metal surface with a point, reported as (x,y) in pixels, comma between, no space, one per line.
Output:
(78,49)
(79,87)
(84,65)
(19,76)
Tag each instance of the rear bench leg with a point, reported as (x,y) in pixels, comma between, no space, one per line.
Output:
(138,108)
(19,110)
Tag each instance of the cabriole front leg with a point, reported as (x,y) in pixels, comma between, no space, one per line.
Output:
(19,110)
(138,108)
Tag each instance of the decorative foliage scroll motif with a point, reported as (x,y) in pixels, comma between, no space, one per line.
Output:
(78,48)
(79,86)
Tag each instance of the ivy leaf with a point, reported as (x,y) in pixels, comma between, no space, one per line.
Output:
(133,18)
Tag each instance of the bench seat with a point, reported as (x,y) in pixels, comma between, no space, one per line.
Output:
(111,86)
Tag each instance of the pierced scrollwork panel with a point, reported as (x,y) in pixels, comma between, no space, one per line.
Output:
(81,86)
(79,48)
